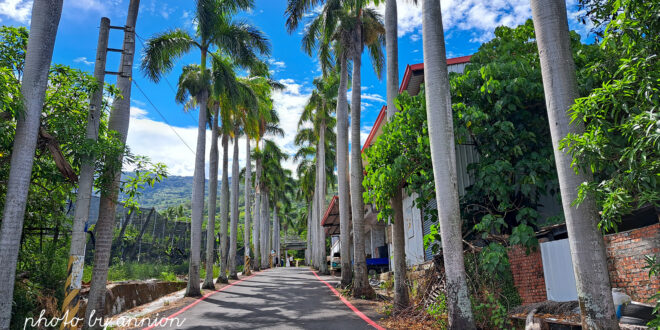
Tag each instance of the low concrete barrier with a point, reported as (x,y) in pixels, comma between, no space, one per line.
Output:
(122,296)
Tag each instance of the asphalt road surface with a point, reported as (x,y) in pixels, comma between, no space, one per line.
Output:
(280,298)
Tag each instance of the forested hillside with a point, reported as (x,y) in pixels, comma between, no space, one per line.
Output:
(172,191)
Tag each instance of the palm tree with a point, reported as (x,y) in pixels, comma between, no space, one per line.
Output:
(319,108)
(239,41)
(256,100)
(234,206)
(224,205)
(213,192)
(584,237)
(401,299)
(191,82)
(267,124)
(273,179)
(118,122)
(351,26)
(306,171)
(441,134)
(43,28)
(307,138)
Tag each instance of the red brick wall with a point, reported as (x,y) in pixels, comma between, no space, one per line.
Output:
(625,258)
(625,254)
(528,274)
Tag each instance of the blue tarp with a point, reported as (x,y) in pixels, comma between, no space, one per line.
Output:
(376,261)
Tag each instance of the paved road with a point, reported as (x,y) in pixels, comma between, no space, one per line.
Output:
(281,298)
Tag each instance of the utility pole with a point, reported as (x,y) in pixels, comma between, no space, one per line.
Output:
(86,181)
(118,122)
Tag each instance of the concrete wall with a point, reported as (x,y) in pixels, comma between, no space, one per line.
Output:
(123,296)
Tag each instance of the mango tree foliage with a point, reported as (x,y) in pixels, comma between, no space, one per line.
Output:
(499,109)
(621,142)
(400,157)
(61,146)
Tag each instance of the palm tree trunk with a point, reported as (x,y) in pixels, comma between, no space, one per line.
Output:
(213,194)
(224,208)
(265,248)
(233,231)
(315,216)
(197,204)
(342,175)
(361,285)
(43,28)
(323,265)
(248,196)
(441,134)
(276,234)
(308,250)
(401,299)
(585,240)
(269,242)
(118,122)
(256,230)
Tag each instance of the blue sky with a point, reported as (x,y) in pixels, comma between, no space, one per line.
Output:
(468,23)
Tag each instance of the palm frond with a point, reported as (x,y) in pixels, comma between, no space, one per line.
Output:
(162,50)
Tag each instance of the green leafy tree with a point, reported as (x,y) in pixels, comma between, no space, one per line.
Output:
(499,109)
(621,142)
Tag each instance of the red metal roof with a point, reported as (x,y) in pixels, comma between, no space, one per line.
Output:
(420,66)
(327,212)
(379,120)
(404,85)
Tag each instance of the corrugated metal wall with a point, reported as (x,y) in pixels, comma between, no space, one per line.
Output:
(458,68)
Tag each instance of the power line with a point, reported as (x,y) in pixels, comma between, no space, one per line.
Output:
(168,83)
(161,116)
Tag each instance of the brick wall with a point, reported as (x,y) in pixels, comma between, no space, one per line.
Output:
(625,253)
(625,258)
(528,274)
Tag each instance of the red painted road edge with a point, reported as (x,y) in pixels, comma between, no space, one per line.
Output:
(163,321)
(348,303)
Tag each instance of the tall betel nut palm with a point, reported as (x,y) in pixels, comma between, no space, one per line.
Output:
(349,26)
(584,238)
(441,136)
(43,28)
(216,29)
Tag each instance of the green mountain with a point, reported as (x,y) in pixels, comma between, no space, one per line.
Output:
(172,191)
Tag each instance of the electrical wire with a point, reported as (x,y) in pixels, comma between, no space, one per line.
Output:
(162,116)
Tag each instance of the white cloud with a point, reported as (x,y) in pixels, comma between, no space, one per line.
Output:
(83,60)
(20,10)
(158,8)
(277,65)
(289,104)
(373,97)
(157,140)
(478,17)
(16,10)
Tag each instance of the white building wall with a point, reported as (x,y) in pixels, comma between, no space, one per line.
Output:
(414,236)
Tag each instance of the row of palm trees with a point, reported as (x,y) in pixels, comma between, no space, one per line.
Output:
(338,34)
(233,107)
